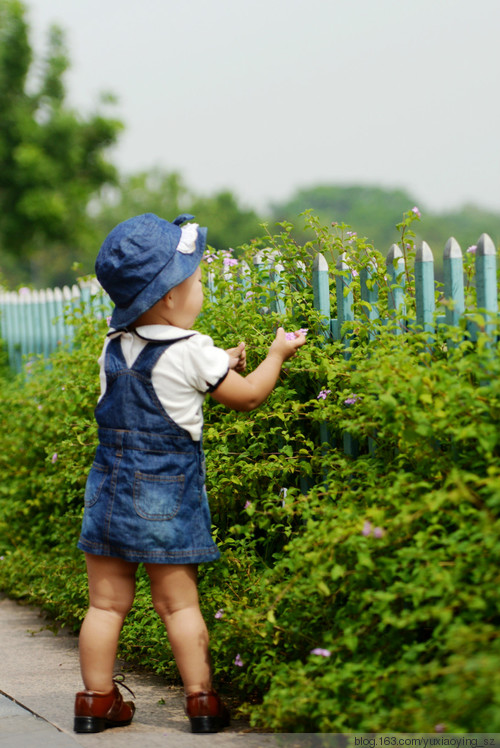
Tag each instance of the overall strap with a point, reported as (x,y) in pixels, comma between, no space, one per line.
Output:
(148,357)
(114,359)
(145,361)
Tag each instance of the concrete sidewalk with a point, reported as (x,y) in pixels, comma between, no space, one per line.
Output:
(40,673)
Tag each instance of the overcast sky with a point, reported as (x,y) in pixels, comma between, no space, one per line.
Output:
(266,96)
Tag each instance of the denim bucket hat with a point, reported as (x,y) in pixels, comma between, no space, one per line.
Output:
(141,260)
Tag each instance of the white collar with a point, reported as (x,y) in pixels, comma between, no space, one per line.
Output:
(157,332)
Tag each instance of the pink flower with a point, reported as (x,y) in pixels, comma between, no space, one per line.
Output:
(416,211)
(248,504)
(54,458)
(238,661)
(324,394)
(351,399)
(108,320)
(228,261)
(367,529)
(291,335)
(321,652)
(472,249)
(219,613)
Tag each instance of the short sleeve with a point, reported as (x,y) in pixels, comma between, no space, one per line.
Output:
(206,366)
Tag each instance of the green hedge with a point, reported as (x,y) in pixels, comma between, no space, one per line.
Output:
(353,594)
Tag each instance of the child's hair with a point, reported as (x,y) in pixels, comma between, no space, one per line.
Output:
(143,258)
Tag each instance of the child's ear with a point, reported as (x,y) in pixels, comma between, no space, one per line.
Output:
(168,300)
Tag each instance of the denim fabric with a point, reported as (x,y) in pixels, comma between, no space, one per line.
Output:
(139,262)
(145,496)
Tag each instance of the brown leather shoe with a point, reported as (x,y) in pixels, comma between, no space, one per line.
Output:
(206,712)
(94,712)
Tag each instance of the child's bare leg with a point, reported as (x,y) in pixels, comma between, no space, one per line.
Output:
(111,593)
(175,598)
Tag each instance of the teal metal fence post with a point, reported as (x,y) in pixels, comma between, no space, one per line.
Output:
(369,293)
(258,263)
(321,303)
(67,308)
(20,330)
(321,293)
(486,281)
(37,345)
(52,314)
(453,274)
(44,323)
(300,283)
(211,286)
(8,324)
(424,287)
(25,326)
(59,315)
(395,266)
(345,313)
(16,329)
(278,304)
(85,305)
(345,299)
(245,276)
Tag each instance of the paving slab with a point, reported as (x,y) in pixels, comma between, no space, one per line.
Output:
(40,674)
(19,728)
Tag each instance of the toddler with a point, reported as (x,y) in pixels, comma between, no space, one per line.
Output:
(145,499)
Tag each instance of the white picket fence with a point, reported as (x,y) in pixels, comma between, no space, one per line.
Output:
(36,323)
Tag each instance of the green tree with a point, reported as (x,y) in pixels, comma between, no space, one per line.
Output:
(229,224)
(52,159)
(165,193)
(466,225)
(155,191)
(370,211)
(374,212)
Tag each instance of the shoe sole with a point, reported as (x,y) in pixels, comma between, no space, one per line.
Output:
(96,724)
(201,725)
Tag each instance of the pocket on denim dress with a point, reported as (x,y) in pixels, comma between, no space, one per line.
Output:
(95,482)
(157,498)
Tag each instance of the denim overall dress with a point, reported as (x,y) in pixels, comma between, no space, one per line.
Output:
(145,498)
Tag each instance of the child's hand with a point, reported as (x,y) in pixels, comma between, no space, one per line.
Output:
(237,357)
(284,347)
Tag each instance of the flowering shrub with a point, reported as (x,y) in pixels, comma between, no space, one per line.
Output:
(353,594)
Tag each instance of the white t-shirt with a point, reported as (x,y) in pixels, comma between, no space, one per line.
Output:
(184,373)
